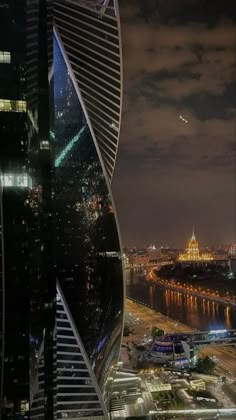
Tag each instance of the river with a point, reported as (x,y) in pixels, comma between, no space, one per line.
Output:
(191,310)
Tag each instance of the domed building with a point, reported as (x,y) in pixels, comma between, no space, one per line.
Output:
(192,252)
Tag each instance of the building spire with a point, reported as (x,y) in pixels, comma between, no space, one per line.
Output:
(193,235)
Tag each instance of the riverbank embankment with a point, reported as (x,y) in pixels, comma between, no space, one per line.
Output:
(147,317)
(190,291)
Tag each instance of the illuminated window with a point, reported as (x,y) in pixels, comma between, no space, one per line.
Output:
(22,180)
(24,406)
(5,57)
(19,181)
(44,144)
(7,180)
(7,105)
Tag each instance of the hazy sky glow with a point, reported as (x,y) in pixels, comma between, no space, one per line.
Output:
(179,60)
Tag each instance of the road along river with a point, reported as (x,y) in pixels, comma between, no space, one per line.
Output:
(197,312)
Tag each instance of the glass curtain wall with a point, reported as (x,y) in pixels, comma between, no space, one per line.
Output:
(88,258)
(61,280)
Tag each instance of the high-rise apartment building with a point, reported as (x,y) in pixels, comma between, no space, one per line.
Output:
(61,277)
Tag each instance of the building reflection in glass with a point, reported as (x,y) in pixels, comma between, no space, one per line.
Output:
(88,257)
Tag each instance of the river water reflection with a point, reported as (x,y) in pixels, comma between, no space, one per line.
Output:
(191,310)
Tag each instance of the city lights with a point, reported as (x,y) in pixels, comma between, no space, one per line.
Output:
(192,252)
(16,180)
(101,320)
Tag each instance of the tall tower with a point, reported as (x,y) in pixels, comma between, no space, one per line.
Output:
(89,32)
(192,249)
(61,277)
(87,98)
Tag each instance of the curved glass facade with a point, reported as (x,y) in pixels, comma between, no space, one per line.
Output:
(90,33)
(61,279)
(88,257)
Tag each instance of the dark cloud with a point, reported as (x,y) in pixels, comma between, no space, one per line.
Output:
(179,59)
(177,11)
(168,59)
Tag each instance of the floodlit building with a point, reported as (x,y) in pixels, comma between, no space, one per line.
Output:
(192,252)
(62,289)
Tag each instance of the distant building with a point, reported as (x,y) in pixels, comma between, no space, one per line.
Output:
(154,253)
(232,250)
(152,247)
(170,253)
(125,260)
(192,252)
(232,259)
(139,259)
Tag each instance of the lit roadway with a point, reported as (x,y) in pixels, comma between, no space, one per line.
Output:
(145,318)
(191,290)
(225,357)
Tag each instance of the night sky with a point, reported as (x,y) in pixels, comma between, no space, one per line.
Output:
(179,59)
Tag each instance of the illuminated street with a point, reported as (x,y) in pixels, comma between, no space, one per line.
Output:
(145,318)
(225,357)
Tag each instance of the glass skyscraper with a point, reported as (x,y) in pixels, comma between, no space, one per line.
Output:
(89,31)
(62,291)
(26,167)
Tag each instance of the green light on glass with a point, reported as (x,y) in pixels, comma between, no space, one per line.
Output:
(68,147)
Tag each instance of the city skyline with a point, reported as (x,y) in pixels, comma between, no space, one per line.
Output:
(170,244)
(176,160)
